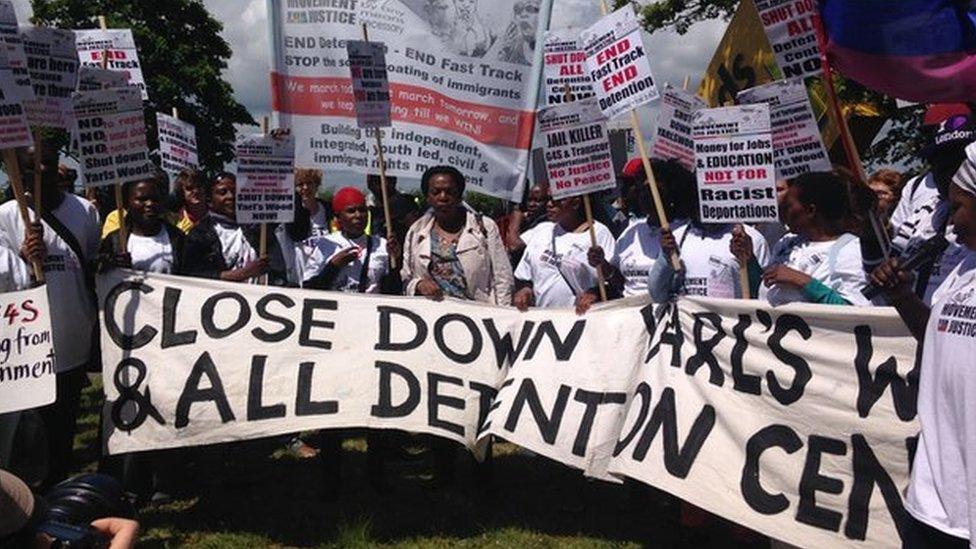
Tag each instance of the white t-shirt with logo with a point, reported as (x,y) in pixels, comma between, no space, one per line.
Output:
(347,280)
(14,273)
(942,492)
(944,265)
(919,216)
(555,262)
(710,268)
(73,314)
(638,246)
(234,246)
(153,254)
(835,263)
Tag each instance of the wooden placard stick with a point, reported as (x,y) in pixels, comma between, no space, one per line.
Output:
(119,199)
(13,171)
(646,162)
(588,209)
(263,235)
(684,85)
(383,190)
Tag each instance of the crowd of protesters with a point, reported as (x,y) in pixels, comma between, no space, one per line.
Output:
(837,235)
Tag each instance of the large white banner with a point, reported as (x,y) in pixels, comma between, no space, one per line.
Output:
(463,84)
(795,421)
(798,147)
(113,49)
(26,351)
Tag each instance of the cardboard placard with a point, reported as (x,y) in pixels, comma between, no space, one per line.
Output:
(177,144)
(791,28)
(119,46)
(53,65)
(577,149)
(564,63)
(111,131)
(13,44)
(734,161)
(265,179)
(618,64)
(370,85)
(673,138)
(797,145)
(27,378)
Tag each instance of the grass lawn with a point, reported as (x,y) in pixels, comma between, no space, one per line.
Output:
(254,494)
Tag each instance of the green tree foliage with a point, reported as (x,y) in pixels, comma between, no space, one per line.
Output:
(182,56)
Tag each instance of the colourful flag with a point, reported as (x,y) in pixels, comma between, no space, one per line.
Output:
(919,50)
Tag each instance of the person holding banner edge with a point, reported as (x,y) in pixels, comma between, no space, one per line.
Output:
(69,236)
(220,248)
(817,262)
(942,492)
(452,252)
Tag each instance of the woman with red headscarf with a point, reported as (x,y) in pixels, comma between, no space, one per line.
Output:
(349,260)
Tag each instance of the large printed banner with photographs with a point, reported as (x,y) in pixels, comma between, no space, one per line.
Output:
(795,421)
(463,81)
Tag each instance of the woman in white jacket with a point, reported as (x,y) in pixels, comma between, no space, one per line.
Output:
(453,252)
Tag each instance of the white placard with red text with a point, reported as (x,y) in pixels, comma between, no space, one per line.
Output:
(265,178)
(577,149)
(673,139)
(734,161)
(177,144)
(370,85)
(13,44)
(791,26)
(120,48)
(564,65)
(618,63)
(52,62)
(27,377)
(111,132)
(798,147)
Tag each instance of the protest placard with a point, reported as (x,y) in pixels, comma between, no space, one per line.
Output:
(797,145)
(618,65)
(53,65)
(177,144)
(577,149)
(673,139)
(265,178)
(791,28)
(117,46)
(26,351)
(111,131)
(734,161)
(13,44)
(370,85)
(463,86)
(14,130)
(699,392)
(564,64)
(97,78)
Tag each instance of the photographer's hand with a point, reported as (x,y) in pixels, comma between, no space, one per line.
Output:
(123,533)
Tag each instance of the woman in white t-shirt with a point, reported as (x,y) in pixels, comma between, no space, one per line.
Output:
(349,260)
(153,244)
(639,245)
(218,247)
(816,262)
(711,254)
(556,270)
(942,492)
